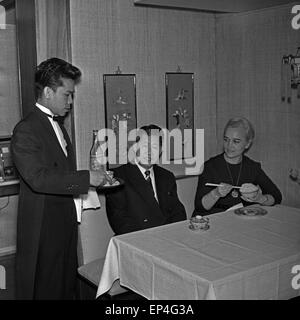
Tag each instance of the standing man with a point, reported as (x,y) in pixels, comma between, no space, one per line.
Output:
(46,259)
(149,196)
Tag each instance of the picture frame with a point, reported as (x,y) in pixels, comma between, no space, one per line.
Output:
(120,111)
(180,112)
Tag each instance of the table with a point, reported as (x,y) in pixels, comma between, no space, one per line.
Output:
(239,257)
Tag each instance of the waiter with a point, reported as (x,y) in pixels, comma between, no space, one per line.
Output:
(46,259)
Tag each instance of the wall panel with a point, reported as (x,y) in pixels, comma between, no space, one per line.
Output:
(10,111)
(148,42)
(10,114)
(249,48)
(145,41)
(53,36)
(52,29)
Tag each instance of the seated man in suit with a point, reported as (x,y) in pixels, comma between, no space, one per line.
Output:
(149,197)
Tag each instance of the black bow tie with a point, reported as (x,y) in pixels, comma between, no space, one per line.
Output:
(59,119)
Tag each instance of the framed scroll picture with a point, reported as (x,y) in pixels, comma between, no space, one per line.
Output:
(120,113)
(180,113)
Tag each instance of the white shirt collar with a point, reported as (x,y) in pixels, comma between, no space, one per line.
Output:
(143,170)
(44,109)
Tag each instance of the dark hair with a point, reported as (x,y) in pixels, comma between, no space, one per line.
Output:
(148,129)
(49,73)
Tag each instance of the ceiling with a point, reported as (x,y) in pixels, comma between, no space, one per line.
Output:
(208,5)
(215,5)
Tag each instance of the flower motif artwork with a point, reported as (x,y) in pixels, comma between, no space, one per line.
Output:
(120,99)
(181,95)
(180,106)
(116,118)
(182,118)
(120,106)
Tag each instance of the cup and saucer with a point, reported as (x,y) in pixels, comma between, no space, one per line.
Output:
(199,223)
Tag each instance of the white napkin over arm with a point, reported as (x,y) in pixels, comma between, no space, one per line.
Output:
(86,201)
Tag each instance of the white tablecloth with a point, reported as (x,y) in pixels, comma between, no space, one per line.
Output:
(237,258)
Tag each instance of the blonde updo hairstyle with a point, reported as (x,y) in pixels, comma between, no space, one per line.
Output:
(244,123)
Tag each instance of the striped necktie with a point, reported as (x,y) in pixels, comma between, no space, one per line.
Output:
(149,181)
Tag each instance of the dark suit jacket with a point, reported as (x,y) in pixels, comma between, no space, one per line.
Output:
(133,207)
(48,181)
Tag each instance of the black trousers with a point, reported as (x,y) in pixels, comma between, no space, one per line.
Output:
(55,277)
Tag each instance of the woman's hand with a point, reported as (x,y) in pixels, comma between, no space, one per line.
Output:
(223,189)
(210,199)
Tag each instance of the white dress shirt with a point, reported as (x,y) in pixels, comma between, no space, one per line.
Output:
(56,128)
(152,176)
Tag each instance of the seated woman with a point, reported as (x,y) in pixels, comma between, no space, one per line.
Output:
(232,168)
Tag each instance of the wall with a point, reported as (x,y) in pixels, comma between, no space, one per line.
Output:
(148,42)
(53,37)
(9,82)
(10,114)
(52,40)
(249,48)
(237,72)
(52,29)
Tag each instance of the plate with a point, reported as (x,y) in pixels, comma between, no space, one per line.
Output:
(250,211)
(108,186)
